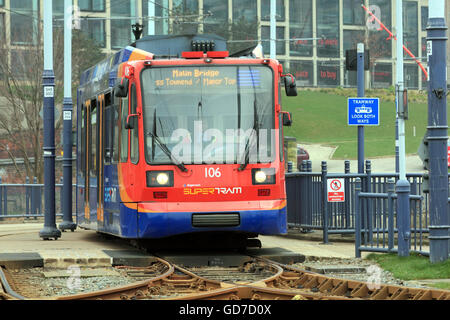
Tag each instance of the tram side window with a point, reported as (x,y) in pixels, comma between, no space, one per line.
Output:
(82,138)
(115,134)
(93,139)
(280,133)
(123,130)
(280,124)
(107,129)
(134,141)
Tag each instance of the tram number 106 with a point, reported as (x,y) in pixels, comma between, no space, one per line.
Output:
(212,173)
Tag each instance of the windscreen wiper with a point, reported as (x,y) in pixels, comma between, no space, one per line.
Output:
(255,130)
(167,151)
(163,146)
(247,151)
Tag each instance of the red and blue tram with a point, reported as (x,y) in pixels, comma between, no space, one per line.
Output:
(174,140)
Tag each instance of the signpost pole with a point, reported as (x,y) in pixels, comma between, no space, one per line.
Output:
(325,202)
(361,93)
(48,78)
(402,187)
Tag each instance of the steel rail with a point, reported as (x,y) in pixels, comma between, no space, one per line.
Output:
(5,289)
(286,283)
(185,283)
(299,278)
(136,290)
(240,292)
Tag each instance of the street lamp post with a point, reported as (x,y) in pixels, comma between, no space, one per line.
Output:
(49,231)
(402,187)
(67,223)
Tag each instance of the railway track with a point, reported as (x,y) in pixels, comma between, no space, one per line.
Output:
(259,279)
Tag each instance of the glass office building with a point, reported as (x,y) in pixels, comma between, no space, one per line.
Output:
(312,35)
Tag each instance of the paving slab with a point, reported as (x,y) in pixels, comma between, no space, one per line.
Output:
(345,250)
(64,258)
(278,254)
(132,258)
(21,260)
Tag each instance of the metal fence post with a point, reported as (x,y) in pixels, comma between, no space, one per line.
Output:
(5,200)
(61,198)
(368,188)
(310,194)
(391,231)
(27,196)
(308,166)
(303,196)
(357,218)
(289,166)
(35,206)
(403,217)
(347,192)
(39,198)
(33,198)
(307,197)
(324,202)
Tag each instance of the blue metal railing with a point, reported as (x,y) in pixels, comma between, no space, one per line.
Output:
(376,229)
(26,200)
(309,209)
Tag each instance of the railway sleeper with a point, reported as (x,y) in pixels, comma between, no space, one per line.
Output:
(340,289)
(326,286)
(360,291)
(311,283)
(401,294)
(423,295)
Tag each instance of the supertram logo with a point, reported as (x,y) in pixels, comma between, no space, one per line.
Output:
(210,191)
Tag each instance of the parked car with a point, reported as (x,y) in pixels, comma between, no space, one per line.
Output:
(302,154)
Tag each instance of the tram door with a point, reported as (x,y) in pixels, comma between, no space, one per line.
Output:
(100,160)
(87,149)
(91,170)
(85,155)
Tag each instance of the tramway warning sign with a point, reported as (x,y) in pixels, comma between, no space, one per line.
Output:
(363,111)
(335,190)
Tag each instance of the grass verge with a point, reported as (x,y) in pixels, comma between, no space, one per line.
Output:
(414,267)
(320,116)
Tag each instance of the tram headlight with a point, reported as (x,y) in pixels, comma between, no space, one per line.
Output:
(159,178)
(260,176)
(162,178)
(263,176)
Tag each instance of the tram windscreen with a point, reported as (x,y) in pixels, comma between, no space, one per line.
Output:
(208,114)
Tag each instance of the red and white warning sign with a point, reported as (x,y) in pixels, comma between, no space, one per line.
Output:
(335,188)
(448,156)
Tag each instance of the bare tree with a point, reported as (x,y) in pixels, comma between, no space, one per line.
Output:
(21,126)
